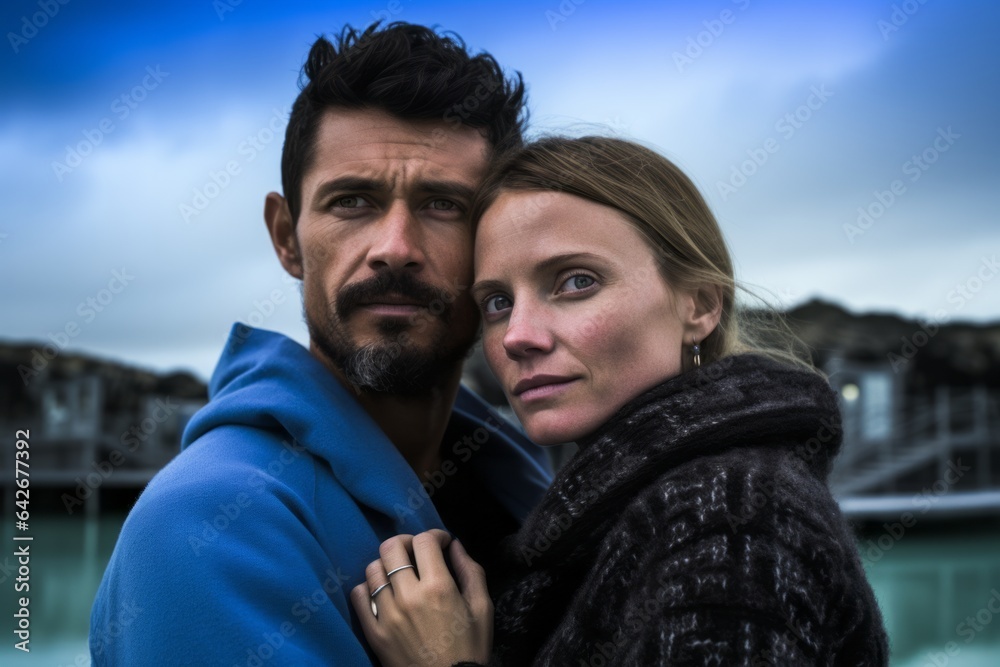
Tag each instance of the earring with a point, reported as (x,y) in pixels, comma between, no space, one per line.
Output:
(696,351)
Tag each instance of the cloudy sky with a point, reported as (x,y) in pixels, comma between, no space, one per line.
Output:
(849,149)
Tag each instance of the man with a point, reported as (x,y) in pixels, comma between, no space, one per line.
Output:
(243,550)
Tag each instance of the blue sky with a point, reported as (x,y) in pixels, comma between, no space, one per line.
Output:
(789,116)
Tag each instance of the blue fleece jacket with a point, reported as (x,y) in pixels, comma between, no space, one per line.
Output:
(243,550)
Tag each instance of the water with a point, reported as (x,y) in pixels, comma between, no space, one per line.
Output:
(936,594)
(64,580)
(927,585)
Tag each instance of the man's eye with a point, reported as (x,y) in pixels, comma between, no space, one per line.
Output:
(351,201)
(578,282)
(443,205)
(496,303)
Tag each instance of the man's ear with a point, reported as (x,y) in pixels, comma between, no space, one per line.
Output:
(282,230)
(702,311)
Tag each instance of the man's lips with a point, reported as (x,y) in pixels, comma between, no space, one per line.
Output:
(392,305)
(393,300)
(391,308)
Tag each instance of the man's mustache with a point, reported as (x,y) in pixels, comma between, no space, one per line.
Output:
(395,283)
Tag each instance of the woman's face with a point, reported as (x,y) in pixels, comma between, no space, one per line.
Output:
(569,289)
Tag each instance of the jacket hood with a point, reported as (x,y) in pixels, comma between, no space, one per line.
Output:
(267,381)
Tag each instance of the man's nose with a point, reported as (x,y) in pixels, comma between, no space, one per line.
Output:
(399,240)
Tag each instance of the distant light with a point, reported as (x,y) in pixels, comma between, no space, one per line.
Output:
(850,392)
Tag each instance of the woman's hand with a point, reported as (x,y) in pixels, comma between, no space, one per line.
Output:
(425,617)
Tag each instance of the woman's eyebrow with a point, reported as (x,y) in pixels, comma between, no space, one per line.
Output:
(540,267)
(486,285)
(564,257)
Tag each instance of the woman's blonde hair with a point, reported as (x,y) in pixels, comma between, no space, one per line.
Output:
(666,208)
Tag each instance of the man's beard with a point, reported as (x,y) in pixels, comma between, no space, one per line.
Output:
(394,364)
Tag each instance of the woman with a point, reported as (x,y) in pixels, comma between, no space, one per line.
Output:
(694,527)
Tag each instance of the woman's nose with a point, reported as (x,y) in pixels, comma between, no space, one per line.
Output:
(528,331)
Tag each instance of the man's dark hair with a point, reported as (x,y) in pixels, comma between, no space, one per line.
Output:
(409,71)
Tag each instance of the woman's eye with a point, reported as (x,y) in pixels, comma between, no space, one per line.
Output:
(578,282)
(496,303)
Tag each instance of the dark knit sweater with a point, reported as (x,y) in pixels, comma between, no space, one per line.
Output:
(695,527)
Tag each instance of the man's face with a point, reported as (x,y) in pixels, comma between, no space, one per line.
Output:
(386,248)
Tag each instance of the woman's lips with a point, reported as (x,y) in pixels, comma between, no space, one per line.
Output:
(545,391)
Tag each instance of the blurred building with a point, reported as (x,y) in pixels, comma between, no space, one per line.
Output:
(920,403)
(98,429)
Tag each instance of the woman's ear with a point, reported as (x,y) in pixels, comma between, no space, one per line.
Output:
(281,228)
(703,312)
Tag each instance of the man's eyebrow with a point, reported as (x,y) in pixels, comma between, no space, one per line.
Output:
(541,267)
(447,188)
(363,184)
(348,183)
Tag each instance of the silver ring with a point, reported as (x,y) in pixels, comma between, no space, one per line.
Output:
(374,593)
(389,574)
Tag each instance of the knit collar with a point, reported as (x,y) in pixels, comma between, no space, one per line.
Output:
(740,400)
